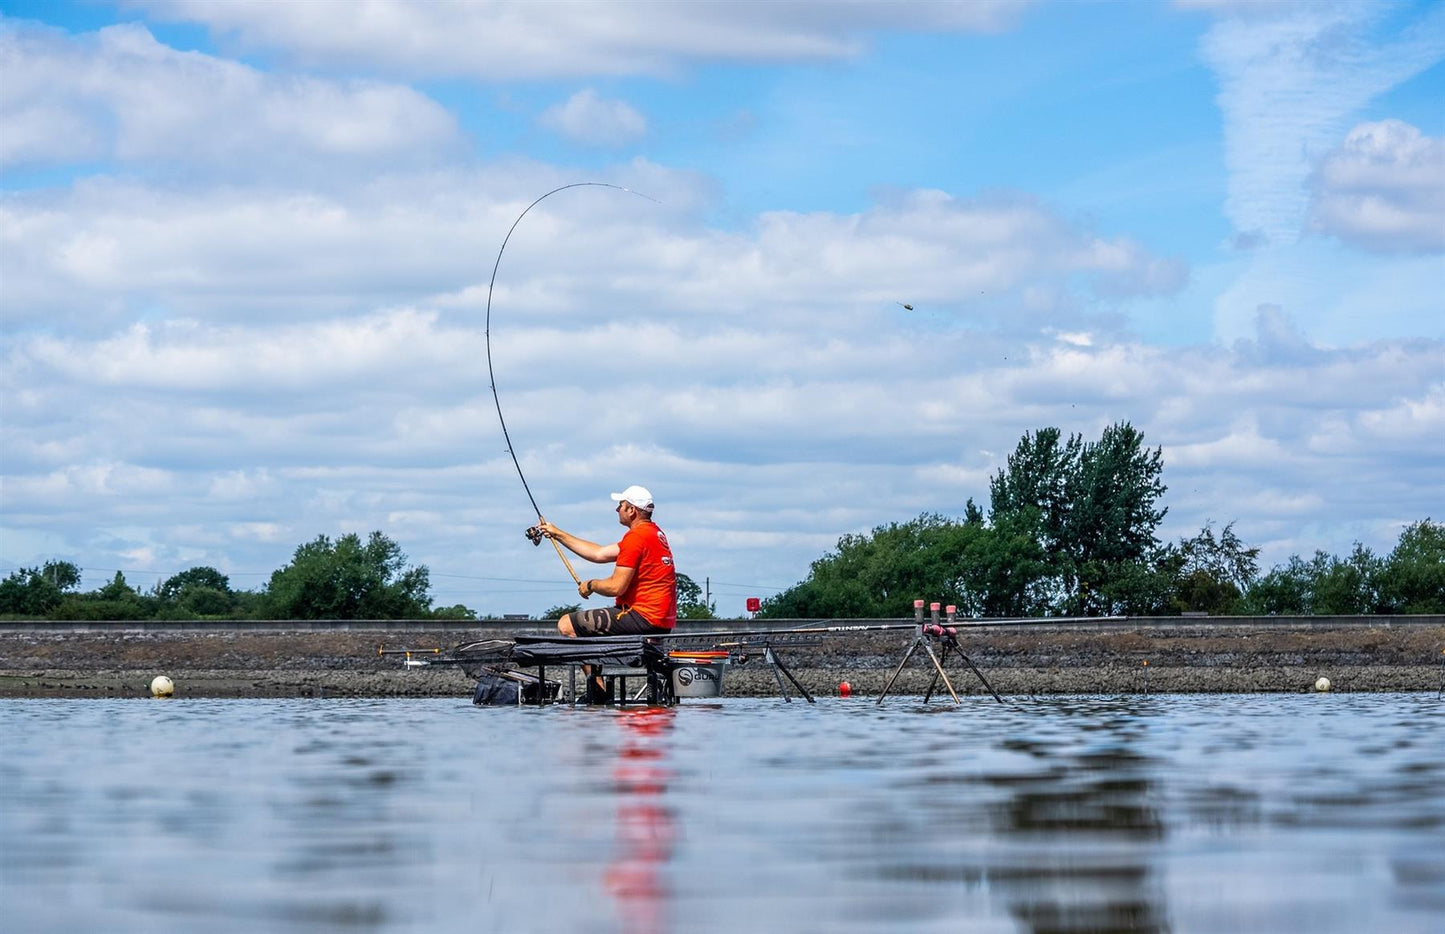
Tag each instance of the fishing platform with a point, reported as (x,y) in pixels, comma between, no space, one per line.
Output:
(661,670)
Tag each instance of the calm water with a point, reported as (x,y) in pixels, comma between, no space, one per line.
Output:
(1168,813)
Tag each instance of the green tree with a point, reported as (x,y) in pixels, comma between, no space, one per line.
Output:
(1029,496)
(1070,530)
(1325,585)
(691,602)
(1112,563)
(1287,590)
(196,593)
(1010,575)
(455,611)
(349,579)
(1412,579)
(206,602)
(880,575)
(35,592)
(1348,586)
(62,574)
(202,577)
(1212,574)
(797,602)
(1090,510)
(115,600)
(117,589)
(559,611)
(248,604)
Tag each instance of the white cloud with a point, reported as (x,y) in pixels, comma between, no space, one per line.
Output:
(278,351)
(215,372)
(131,249)
(513,40)
(765,443)
(1292,79)
(1291,76)
(1408,419)
(1383,190)
(119,94)
(588,118)
(184,357)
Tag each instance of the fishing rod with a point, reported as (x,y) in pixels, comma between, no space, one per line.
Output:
(958,626)
(534,534)
(722,633)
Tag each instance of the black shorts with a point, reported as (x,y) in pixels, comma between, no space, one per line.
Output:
(613,621)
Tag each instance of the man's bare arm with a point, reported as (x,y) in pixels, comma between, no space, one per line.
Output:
(611,586)
(581,547)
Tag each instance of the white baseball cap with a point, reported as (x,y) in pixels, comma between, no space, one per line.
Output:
(636,495)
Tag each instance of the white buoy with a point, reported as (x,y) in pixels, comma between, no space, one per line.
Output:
(1322,685)
(161,686)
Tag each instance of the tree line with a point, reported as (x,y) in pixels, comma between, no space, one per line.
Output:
(1070,531)
(348,578)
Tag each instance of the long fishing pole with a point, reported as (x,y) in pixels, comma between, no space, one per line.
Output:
(491,374)
(826,628)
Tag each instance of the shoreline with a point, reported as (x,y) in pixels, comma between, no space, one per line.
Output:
(234,684)
(1122,657)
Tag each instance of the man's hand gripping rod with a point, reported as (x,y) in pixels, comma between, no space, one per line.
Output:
(535,536)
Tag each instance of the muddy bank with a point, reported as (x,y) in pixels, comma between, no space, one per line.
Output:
(739,682)
(1053,660)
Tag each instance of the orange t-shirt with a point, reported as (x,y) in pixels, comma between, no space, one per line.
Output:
(653,591)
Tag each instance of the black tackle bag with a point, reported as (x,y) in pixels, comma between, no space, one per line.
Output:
(496,688)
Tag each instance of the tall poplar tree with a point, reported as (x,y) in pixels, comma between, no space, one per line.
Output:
(1091,509)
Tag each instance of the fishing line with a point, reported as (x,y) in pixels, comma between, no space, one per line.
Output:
(491,373)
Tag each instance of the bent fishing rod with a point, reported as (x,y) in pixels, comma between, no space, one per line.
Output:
(534,534)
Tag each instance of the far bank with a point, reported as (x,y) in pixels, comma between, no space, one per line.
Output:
(340,658)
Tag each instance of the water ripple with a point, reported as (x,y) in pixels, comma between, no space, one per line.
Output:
(1157,813)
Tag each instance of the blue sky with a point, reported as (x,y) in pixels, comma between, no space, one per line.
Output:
(244,250)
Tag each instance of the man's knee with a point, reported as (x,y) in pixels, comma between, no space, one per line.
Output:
(564,626)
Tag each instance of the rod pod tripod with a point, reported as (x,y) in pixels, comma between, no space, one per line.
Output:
(924,634)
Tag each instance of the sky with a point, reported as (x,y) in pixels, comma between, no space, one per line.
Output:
(245,252)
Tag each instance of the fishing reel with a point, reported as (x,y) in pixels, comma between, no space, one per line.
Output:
(534,535)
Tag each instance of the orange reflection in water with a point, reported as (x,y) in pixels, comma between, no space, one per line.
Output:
(646,825)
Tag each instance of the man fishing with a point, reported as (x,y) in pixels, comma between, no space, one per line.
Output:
(643,579)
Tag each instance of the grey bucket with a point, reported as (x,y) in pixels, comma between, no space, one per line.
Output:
(699,680)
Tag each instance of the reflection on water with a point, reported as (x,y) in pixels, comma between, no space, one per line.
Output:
(1102,798)
(646,824)
(1244,813)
